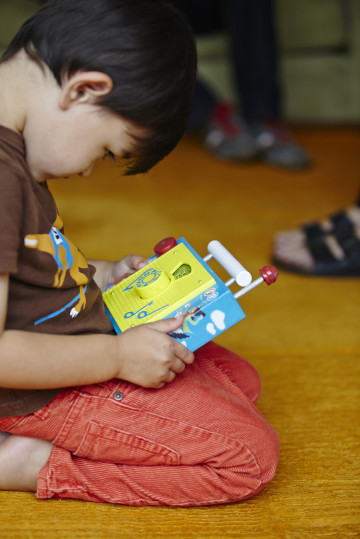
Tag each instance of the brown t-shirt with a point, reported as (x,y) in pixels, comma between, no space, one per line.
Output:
(52,289)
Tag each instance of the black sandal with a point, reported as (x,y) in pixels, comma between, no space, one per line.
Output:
(325,263)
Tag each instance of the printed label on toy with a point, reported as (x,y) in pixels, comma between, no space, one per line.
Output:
(207,316)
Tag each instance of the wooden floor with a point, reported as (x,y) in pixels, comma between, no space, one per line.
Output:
(302,334)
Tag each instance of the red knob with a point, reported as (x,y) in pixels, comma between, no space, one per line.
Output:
(164,246)
(269,274)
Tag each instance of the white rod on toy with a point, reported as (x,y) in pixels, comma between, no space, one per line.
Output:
(248,288)
(229,263)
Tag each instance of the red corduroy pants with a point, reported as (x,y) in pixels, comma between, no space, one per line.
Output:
(199,440)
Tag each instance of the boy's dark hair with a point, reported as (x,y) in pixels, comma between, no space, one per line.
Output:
(145,46)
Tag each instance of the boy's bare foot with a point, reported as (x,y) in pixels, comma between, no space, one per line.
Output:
(21,460)
(329,248)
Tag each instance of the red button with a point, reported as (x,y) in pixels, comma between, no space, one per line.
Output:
(165,245)
(269,274)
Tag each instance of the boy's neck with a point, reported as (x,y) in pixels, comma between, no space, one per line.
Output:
(18,78)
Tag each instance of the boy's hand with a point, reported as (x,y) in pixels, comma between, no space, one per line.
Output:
(151,358)
(109,272)
(128,264)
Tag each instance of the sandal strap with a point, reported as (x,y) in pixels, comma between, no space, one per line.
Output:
(340,222)
(349,242)
(313,231)
(344,232)
(321,252)
(346,239)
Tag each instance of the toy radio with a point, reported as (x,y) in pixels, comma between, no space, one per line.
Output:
(177,281)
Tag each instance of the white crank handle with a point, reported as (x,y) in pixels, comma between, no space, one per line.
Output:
(229,263)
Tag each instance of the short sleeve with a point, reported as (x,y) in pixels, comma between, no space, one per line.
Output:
(10,217)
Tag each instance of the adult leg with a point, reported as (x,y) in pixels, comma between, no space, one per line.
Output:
(251,30)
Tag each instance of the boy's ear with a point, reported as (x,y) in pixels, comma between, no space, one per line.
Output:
(85,87)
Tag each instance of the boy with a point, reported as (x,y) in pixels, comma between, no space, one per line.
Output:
(84,413)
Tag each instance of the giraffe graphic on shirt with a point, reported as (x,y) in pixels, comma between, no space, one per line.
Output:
(68,259)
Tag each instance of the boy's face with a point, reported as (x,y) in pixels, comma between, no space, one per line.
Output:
(72,142)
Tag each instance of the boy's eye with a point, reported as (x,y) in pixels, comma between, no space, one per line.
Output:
(108,153)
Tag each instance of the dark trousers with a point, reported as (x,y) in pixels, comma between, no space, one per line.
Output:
(251,30)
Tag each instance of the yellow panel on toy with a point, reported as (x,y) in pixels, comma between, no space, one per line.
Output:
(158,289)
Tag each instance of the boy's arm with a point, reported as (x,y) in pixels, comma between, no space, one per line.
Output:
(145,355)
(38,361)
